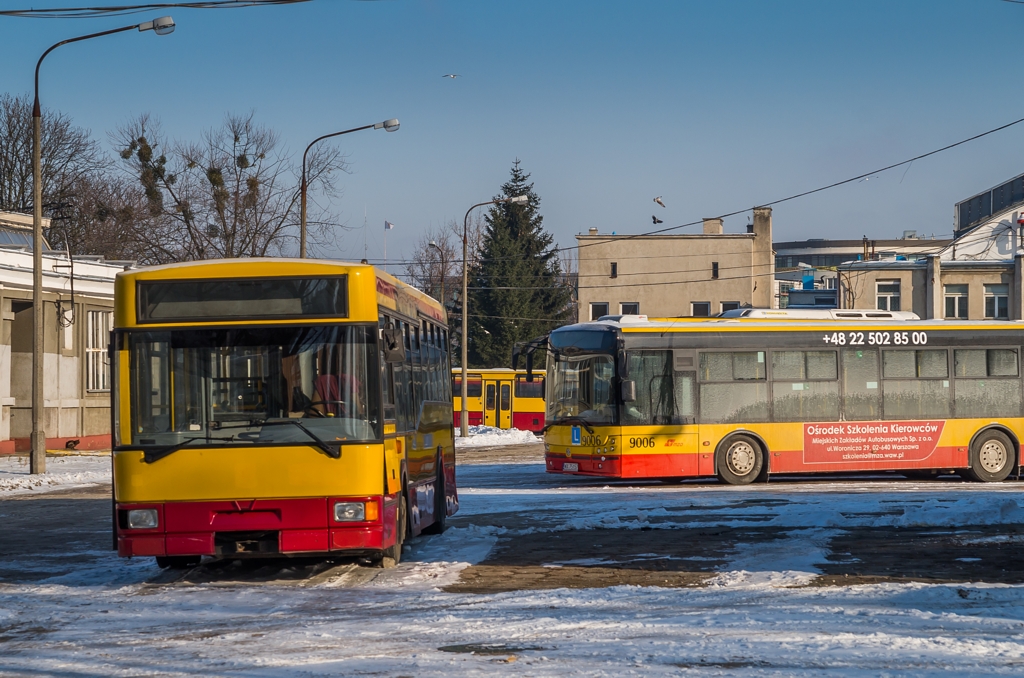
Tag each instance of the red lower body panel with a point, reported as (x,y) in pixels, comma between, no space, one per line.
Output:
(475,418)
(528,421)
(702,464)
(289,526)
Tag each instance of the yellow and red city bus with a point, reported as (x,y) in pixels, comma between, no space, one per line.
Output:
(500,397)
(742,398)
(269,407)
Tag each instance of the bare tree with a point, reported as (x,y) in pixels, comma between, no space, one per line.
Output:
(69,156)
(436,263)
(109,217)
(234,194)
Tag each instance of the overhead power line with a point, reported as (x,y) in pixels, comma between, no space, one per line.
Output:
(121,10)
(802,194)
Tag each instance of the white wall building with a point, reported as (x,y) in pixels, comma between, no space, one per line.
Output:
(78,317)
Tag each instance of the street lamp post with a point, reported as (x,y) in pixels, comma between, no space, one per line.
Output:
(37,457)
(464,416)
(388,125)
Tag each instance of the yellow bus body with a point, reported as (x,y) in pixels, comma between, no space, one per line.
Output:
(699,448)
(500,397)
(287,488)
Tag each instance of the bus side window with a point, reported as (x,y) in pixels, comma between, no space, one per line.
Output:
(388,377)
(490,396)
(506,397)
(862,398)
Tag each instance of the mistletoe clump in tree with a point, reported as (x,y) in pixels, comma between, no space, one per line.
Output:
(517,290)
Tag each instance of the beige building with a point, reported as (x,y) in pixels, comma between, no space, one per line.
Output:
(677,275)
(77,328)
(977,276)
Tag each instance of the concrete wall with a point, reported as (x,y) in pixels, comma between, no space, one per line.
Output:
(666,274)
(71,412)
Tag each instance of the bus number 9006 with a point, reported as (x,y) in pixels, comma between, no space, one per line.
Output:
(876,338)
(641,442)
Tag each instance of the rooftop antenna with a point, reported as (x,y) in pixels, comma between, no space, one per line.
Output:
(366,256)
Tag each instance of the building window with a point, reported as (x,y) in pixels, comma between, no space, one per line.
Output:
(714,270)
(615,269)
(997,302)
(956,301)
(888,293)
(700,309)
(730,306)
(629,308)
(97,366)
(598,309)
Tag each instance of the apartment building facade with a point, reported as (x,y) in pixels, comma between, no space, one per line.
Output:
(677,275)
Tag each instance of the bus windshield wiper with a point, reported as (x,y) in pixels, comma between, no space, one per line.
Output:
(570,420)
(323,445)
(153,454)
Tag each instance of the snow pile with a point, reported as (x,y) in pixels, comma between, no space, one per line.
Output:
(61,473)
(490,436)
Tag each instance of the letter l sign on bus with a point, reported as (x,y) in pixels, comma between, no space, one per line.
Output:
(575,435)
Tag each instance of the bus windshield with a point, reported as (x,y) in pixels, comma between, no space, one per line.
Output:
(237,386)
(581,386)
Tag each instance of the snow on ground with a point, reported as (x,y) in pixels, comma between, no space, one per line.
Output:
(480,436)
(105,620)
(63,472)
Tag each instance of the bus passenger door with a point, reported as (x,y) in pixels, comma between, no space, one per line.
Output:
(505,404)
(490,403)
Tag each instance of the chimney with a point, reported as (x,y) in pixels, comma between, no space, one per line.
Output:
(713,226)
(762,259)
(593,231)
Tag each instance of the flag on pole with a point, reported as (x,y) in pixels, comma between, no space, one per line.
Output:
(388,225)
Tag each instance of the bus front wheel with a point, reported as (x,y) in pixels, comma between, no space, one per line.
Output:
(394,552)
(739,460)
(992,457)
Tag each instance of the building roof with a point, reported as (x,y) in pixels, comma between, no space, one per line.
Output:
(16,230)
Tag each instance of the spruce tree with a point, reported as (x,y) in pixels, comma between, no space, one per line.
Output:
(517,278)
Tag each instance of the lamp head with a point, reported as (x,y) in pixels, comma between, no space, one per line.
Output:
(515,200)
(433,244)
(388,125)
(161,26)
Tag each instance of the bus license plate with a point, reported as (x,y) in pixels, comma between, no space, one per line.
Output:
(570,466)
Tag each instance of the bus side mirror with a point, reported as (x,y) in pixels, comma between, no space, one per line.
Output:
(394,350)
(627,388)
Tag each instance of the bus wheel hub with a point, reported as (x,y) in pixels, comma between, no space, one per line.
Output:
(993,456)
(741,458)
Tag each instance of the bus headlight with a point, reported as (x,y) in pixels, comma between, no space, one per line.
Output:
(350,511)
(141,519)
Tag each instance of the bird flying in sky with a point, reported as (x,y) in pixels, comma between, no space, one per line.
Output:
(656,220)
(451,75)
(658,200)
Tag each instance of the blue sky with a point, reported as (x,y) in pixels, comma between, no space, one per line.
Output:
(715,105)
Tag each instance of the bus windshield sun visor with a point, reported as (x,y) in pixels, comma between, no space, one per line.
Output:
(242,299)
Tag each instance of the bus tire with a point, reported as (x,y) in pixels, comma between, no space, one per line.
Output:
(992,457)
(394,552)
(440,501)
(738,460)
(177,562)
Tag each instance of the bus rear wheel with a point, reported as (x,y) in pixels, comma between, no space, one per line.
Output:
(440,501)
(739,460)
(992,457)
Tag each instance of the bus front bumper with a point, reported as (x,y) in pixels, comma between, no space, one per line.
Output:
(584,465)
(256,527)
